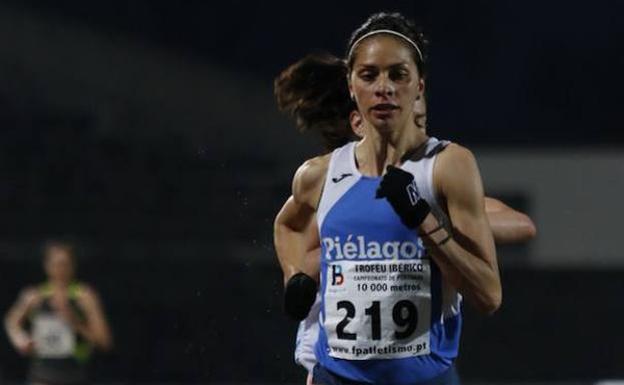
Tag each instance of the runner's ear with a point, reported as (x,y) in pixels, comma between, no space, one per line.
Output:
(357,124)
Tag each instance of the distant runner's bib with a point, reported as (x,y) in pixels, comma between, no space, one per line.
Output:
(53,337)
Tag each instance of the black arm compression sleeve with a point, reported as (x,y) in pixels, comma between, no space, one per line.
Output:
(299,296)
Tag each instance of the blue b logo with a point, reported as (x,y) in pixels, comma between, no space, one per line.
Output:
(337,277)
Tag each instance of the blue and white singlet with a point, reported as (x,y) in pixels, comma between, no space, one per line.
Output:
(386,315)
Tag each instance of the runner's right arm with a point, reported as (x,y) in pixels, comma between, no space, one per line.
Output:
(291,227)
(290,237)
(15,318)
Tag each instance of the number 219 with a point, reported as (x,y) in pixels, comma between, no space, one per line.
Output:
(404,315)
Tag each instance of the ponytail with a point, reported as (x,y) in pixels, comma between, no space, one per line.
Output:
(315,92)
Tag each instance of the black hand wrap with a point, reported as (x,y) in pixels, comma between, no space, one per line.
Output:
(399,189)
(299,296)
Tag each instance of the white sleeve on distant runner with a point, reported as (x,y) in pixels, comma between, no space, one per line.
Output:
(307,335)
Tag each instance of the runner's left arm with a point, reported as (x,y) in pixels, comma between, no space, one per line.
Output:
(468,253)
(508,225)
(96,329)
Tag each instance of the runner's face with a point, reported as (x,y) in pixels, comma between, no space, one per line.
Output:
(385,82)
(59,265)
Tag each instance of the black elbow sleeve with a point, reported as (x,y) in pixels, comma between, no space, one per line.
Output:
(299,296)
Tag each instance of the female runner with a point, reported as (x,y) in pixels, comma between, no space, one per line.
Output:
(397,246)
(66,321)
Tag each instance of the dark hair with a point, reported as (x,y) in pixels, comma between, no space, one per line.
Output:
(315,91)
(394,22)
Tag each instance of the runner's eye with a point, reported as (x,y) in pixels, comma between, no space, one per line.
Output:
(398,74)
(367,75)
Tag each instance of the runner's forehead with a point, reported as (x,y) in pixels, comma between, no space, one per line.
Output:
(382,51)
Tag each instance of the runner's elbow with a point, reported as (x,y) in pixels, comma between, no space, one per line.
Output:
(106,343)
(491,302)
(526,228)
(530,229)
(9,322)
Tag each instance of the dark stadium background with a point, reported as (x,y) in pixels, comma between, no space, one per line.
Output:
(146,132)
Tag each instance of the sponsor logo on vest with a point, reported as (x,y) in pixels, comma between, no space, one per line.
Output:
(358,248)
(337,277)
(412,192)
(341,177)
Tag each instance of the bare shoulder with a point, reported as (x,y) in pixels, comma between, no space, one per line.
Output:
(455,160)
(456,156)
(29,296)
(309,178)
(87,293)
(456,169)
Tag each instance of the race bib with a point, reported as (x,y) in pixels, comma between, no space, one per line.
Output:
(53,337)
(378,310)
